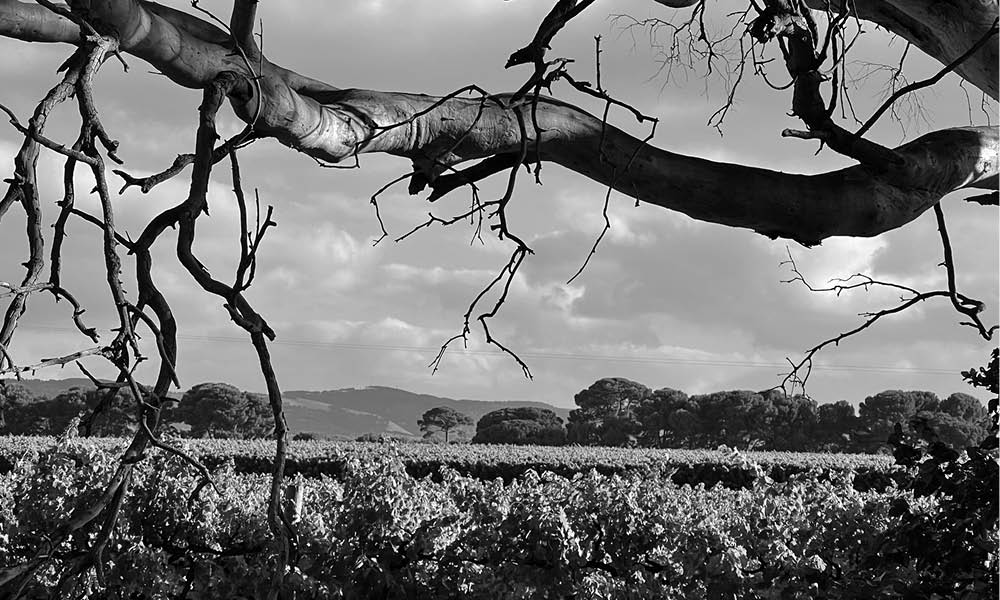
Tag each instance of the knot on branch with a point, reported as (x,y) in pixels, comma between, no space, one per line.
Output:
(765,27)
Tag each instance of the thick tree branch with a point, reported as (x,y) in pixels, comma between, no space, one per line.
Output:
(335,125)
(32,22)
(941,30)
(853,201)
(241,24)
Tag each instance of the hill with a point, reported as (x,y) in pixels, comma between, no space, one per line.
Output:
(343,413)
(52,387)
(354,411)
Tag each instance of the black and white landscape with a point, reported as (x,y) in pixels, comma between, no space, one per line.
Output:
(696,299)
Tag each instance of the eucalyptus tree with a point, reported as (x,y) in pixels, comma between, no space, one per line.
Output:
(457,140)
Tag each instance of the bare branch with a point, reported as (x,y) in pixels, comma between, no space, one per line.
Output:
(54,361)
(798,376)
(967,306)
(929,81)
(991,199)
(145,184)
(24,189)
(558,17)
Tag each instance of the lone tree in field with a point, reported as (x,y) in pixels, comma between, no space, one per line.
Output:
(443,419)
(520,425)
(455,141)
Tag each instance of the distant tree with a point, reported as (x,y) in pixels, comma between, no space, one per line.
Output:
(742,418)
(762,417)
(57,413)
(443,419)
(964,406)
(836,424)
(110,413)
(955,432)
(793,421)
(879,414)
(607,413)
(949,552)
(305,436)
(223,411)
(737,418)
(102,412)
(528,413)
(668,419)
(520,425)
(17,411)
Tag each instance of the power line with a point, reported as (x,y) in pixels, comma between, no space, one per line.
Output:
(636,359)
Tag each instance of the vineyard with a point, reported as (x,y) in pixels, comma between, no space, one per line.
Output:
(616,526)
(489,461)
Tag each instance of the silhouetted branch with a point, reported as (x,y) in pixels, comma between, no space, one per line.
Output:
(910,297)
(145,184)
(991,199)
(965,305)
(929,81)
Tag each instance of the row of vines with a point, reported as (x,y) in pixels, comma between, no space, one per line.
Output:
(376,531)
(321,458)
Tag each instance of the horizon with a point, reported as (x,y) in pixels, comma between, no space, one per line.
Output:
(570,406)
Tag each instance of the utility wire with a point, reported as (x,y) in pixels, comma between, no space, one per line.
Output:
(639,359)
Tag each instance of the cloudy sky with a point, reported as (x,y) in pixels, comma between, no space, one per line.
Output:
(667,301)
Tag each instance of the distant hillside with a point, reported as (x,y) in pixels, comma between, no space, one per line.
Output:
(52,387)
(354,411)
(345,413)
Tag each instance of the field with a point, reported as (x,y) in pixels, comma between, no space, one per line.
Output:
(614,524)
(487,462)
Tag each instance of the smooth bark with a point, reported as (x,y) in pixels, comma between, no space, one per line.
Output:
(334,125)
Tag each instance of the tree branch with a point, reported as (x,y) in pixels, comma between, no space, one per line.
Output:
(333,125)
(241,24)
(917,85)
(967,306)
(798,376)
(910,19)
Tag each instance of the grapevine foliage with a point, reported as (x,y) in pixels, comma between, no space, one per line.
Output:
(380,532)
(949,552)
(509,462)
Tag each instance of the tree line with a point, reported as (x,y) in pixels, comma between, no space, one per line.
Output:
(206,410)
(611,412)
(619,412)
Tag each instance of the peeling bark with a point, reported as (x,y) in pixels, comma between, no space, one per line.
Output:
(334,125)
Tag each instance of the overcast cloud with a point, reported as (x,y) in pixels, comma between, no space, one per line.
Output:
(666,301)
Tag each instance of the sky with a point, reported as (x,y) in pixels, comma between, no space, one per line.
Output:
(667,301)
